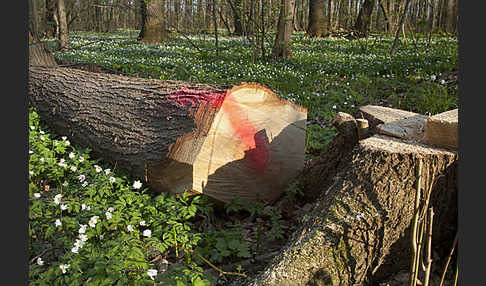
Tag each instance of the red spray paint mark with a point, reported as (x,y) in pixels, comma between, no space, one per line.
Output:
(254,143)
(187,98)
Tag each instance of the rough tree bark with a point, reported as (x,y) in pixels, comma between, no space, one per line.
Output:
(358,229)
(322,170)
(153,26)
(317,18)
(285,27)
(226,142)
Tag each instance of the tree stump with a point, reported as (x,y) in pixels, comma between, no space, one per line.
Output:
(224,141)
(360,224)
(320,172)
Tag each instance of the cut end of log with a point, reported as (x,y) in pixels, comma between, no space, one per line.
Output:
(409,128)
(252,147)
(384,143)
(442,129)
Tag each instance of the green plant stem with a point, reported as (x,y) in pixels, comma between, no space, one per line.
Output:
(457,274)
(422,227)
(413,276)
(449,259)
(429,248)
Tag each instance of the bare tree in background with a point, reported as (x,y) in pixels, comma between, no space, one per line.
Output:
(330,18)
(243,17)
(397,33)
(364,17)
(215,24)
(317,18)
(236,10)
(153,26)
(33,20)
(63,33)
(281,48)
(451,16)
(50,19)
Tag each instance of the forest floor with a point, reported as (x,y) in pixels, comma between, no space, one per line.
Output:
(325,76)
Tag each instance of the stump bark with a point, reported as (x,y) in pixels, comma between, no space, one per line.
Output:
(322,171)
(359,227)
(224,141)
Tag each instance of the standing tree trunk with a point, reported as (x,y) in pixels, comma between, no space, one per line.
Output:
(112,20)
(208,17)
(200,14)
(378,18)
(330,18)
(215,26)
(34,19)
(236,9)
(281,48)
(363,21)
(227,142)
(153,29)
(440,14)
(304,14)
(338,8)
(187,15)
(51,23)
(431,17)
(391,16)
(97,16)
(350,17)
(451,16)
(400,23)
(63,32)
(317,18)
(388,24)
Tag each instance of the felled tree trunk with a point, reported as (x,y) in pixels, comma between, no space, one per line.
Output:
(226,142)
(359,227)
